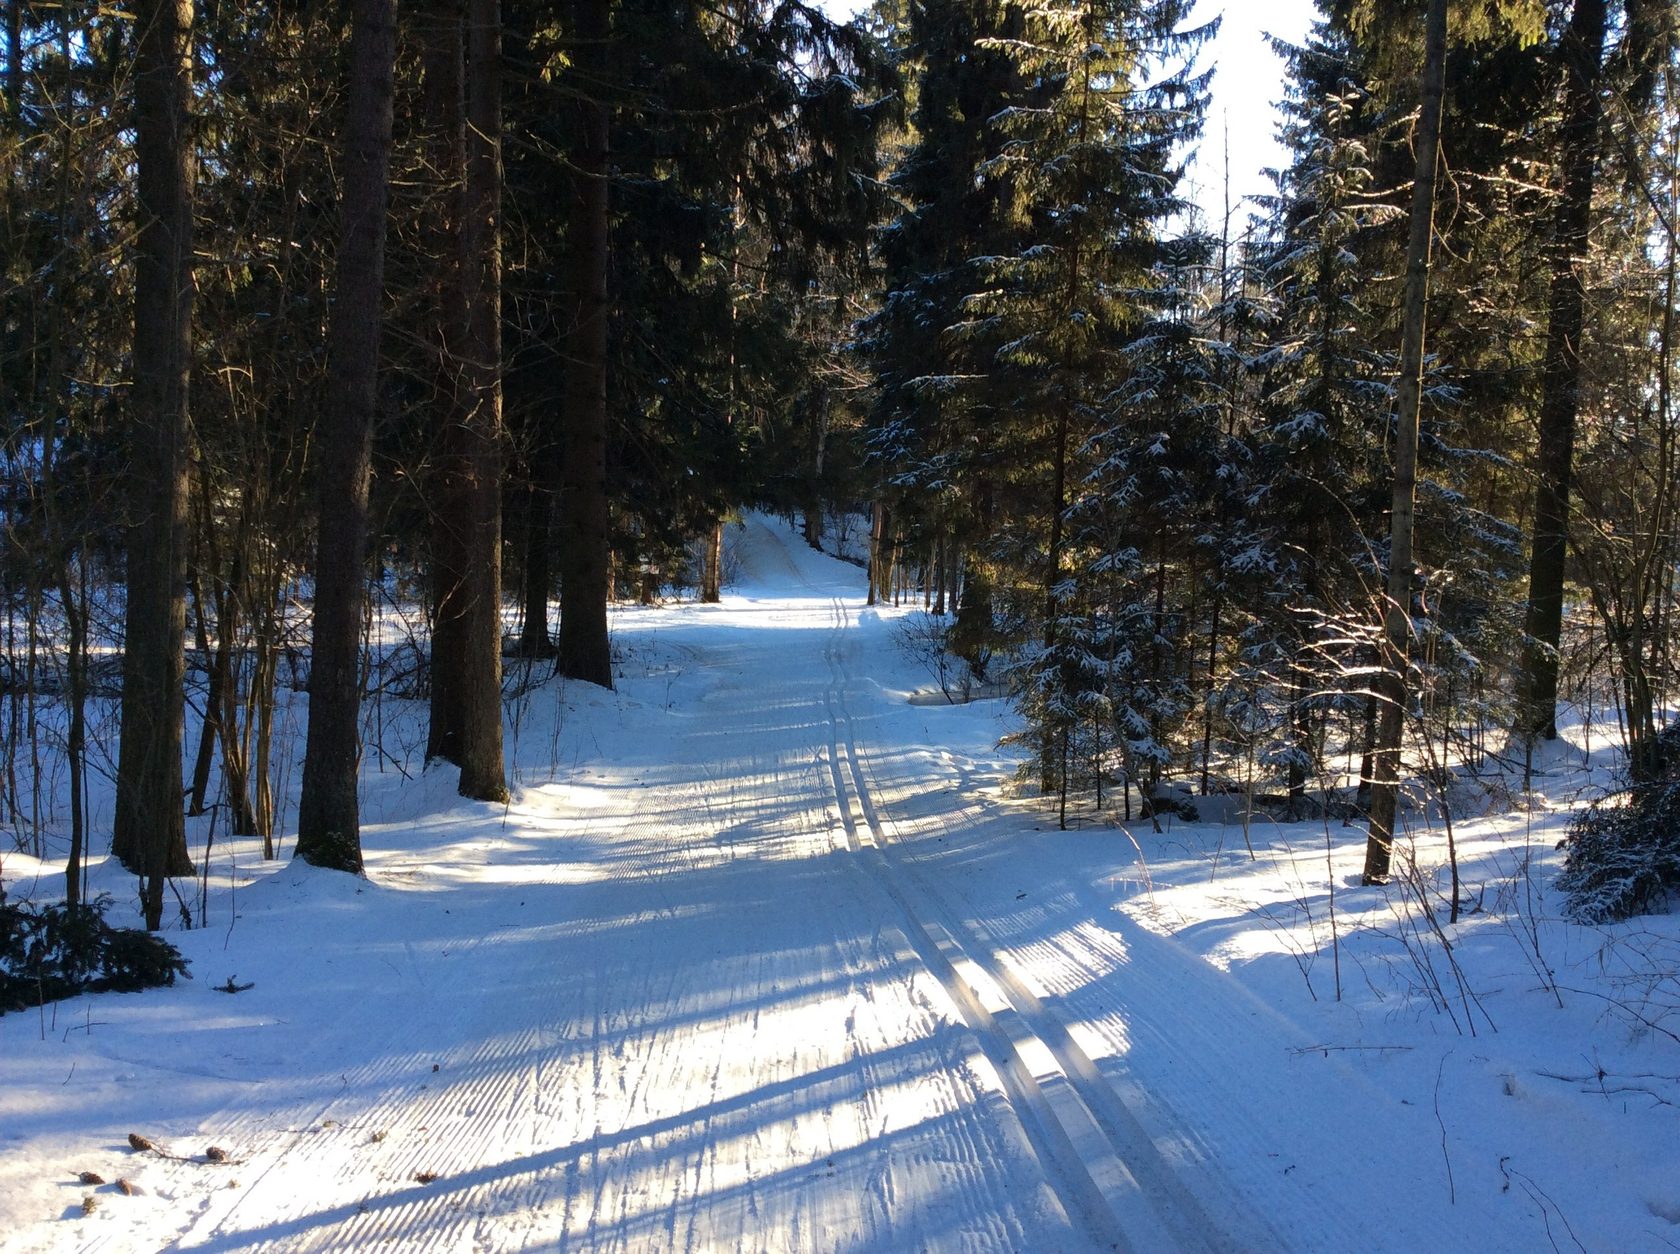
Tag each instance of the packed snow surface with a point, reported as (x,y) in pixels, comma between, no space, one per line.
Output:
(765,954)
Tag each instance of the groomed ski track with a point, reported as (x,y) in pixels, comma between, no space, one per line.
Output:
(761,970)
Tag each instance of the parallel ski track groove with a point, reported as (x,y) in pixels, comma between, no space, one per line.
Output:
(1104,1176)
(1210,1057)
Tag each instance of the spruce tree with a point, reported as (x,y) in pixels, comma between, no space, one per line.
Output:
(1323,396)
(931,428)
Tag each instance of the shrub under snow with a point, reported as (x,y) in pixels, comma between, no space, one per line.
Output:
(1624,849)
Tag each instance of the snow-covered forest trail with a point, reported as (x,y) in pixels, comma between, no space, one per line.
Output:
(764,968)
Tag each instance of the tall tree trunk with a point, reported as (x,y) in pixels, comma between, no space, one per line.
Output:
(1210,687)
(973,633)
(585,550)
(482,772)
(1643,659)
(1367,750)
(1397,612)
(259,710)
(1158,666)
(64,552)
(148,833)
(1301,736)
(449,489)
(1582,51)
(941,565)
(329,823)
(464,101)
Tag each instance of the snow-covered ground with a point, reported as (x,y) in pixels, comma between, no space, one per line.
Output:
(764,955)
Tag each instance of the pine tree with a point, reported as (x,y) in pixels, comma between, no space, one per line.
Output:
(464,72)
(585,542)
(1392,687)
(149,832)
(328,818)
(1587,65)
(1582,55)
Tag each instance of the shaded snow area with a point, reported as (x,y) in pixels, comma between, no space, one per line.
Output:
(764,955)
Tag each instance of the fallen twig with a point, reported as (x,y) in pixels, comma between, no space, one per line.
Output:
(1541,1199)
(1452,1190)
(214,1154)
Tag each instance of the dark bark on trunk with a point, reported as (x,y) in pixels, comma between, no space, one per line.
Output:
(586,544)
(647,585)
(1368,746)
(149,833)
(483,775)
(1158,664)
(329,823)
(941,547)
(813,522)
(259,710)
(877,549)
(221,718)
(1582,51)
(973,633)
(1048,769)
(1058,508)
(1210,687)
(63,563)
(1300,730)
(200,786)
(451,483)
(448,489)
(63,550)
(537,571)
(711,568)
(1640,649)
(75,745)
(1391,683)
(218,701)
